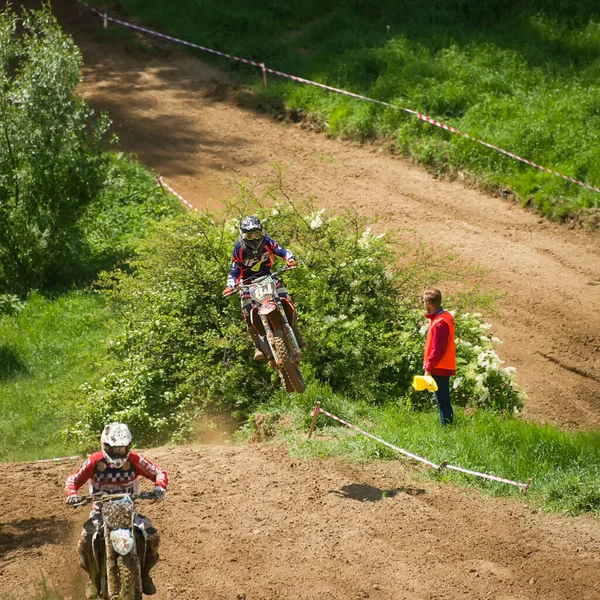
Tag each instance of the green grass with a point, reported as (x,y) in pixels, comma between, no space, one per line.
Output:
(48,351)
(564,466)
(522,75)
(59,341)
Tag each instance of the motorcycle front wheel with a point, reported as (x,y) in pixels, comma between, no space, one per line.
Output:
(129,577)
(288,370)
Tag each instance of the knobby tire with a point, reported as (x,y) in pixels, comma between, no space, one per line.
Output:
(288,371)
(129,577)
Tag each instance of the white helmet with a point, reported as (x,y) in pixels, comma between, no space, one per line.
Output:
(116,444)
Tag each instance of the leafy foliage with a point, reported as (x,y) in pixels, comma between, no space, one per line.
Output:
(52,165)
(185,348)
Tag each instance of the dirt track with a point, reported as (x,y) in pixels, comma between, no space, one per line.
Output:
(173,112)
(253,521)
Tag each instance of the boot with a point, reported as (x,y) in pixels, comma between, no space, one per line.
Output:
(148,586)
(258,353)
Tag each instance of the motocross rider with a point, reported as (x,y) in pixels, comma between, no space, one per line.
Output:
(253,256)
(114,470)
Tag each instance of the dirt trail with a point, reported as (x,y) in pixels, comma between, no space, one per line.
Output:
(253,523)
(173,112)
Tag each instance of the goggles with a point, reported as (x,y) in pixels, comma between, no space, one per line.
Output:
(118,451)
(253,235)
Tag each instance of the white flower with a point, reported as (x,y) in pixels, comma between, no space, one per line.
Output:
(423,329)
(510,370)
(457,383)
(497,340)
(274,212)
(316,222)
(364,238)
(485,326)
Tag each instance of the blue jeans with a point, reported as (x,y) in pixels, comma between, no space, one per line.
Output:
(442,397)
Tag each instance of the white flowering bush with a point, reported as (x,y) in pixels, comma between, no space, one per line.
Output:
(482,379)
(185,347)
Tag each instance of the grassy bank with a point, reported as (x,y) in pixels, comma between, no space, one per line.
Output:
(564,466)
(522,75)
(48,351)
(59,340)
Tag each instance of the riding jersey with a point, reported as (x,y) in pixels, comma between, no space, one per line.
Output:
(244,266)
(105,478)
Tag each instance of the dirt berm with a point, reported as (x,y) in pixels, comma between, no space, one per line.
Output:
(253,523)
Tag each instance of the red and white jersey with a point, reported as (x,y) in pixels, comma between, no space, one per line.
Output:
(107,479)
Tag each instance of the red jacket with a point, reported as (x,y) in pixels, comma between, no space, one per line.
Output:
(103,477)
(440,350)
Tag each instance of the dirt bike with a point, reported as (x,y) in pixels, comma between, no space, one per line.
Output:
(279,344)
(118,551)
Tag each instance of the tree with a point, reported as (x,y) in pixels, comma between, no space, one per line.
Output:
(52,165)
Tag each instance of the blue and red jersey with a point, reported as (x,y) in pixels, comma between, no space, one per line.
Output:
(244,266)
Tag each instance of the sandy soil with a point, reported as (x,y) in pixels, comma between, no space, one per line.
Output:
(179,117)
(251,523)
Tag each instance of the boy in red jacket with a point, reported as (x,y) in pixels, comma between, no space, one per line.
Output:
(440,351)
(114,470)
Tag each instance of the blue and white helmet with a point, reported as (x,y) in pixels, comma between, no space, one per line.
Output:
(116,444)
(251,233)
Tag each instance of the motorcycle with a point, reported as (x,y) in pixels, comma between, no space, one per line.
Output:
(118,547)
(279,344)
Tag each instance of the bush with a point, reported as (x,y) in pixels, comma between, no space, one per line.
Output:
(185,348)
(52,165)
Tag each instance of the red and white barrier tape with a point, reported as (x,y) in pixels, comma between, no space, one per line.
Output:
(444,464)
(422,117)
(163,183)
(400,450)
(63,458)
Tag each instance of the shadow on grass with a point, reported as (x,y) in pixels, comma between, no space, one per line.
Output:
(11,365)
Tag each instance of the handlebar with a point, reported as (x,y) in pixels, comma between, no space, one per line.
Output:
(101,498)
(254,280)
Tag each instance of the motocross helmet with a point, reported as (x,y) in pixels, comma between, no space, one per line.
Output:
(116,444)
(251,233)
